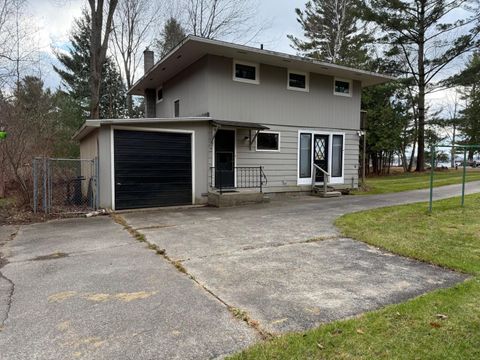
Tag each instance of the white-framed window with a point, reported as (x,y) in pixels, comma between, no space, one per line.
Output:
(159,94)
(298,80)
(342,87)
(246,72)
(326,149)
(176,108)
(268,141)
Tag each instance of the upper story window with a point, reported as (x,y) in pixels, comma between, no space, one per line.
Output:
(246,72)
(159,94)
(176,108)
(298,80)
(342,87)
(268,141)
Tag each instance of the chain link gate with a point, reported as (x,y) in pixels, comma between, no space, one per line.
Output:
(63,186)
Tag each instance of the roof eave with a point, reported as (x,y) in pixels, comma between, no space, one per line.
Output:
(369,78)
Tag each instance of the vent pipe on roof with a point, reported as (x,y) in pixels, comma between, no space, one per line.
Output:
(261,46)
(148,60)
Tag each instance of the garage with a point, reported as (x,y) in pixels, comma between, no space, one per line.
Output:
(152,168)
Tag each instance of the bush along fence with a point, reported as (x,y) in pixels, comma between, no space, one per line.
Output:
(62,186)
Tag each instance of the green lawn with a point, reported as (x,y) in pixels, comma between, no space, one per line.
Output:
(414,181)
(444,324)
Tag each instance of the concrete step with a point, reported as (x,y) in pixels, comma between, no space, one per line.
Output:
(328,194)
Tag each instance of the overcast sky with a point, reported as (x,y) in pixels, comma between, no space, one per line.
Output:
(54,20)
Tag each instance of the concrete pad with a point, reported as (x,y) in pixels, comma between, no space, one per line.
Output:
(201,232)
(297,287)
(192,233)
(107,297)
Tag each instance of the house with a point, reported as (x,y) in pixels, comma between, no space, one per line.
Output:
(222,117)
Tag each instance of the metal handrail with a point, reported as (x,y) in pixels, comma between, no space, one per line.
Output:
(246,177)
(326,178)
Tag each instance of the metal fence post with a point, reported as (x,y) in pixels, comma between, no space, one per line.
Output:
(50,185)
(35,186)
(464,175)
(432,172)
(97,184)
(44,199)
(261,180)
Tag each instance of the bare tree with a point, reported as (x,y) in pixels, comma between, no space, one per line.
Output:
(98,48)
(131,33)
(222,18)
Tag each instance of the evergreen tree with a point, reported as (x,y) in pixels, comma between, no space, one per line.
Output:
(470,116)
(388,120)
(75,74)
(426,35)
(333,32)
(171,35)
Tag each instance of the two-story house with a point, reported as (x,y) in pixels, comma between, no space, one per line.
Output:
(221,116)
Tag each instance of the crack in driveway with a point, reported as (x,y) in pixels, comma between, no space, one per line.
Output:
(11,291)
(255,325)
(9,300)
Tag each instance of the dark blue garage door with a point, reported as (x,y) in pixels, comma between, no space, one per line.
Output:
(152,169)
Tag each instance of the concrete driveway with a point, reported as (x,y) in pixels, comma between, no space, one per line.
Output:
(284,264)
(85,288)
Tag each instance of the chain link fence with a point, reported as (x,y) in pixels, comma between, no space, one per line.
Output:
(62,186)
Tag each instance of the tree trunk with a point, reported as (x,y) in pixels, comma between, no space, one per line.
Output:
(130,105)
(452,162)
(98,50)
(410,164)
(95,95)
(421,89)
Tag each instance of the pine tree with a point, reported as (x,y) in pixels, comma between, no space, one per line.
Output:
(426,35)
(171,35)
(469,125)
(75,74)
(332,31)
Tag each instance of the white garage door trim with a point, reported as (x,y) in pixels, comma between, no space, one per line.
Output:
(130,128)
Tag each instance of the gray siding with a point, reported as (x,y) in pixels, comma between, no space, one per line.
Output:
(281,167)
(89,146)
(271,102)
(104,156)
(189,86)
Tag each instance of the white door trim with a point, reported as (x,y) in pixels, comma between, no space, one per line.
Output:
(333,180)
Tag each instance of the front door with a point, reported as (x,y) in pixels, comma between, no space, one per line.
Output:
(320,155)
(225,159)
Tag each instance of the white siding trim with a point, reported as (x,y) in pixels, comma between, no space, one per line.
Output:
(234,158)
(307,80)
(248,81)
(268,132)
(333,180)
(131,128)
(343,94)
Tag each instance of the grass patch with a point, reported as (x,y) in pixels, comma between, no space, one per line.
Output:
(449,237)
(444,324)
(415,181)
